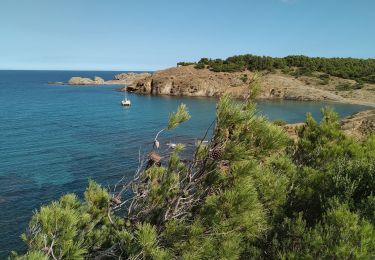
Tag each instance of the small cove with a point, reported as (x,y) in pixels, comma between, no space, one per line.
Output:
(54,138)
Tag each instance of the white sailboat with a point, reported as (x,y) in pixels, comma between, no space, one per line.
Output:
(126,102)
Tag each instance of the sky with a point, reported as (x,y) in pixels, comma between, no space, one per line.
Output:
(147,35)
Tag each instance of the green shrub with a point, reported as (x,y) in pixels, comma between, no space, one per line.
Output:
(344,87)
(185,63)
(348,68)
(244,78)
(200,66)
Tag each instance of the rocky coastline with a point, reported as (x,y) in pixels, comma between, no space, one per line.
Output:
(188,81)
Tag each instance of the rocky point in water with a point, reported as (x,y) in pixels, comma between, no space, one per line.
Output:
(119,79)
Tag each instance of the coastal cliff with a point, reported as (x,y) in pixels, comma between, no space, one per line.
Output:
(189,81)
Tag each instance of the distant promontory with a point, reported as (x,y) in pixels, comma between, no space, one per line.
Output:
(345,80)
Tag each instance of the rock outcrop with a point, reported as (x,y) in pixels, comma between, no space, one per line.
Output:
(86,81)
(188,81)
(359,124)
(131,76)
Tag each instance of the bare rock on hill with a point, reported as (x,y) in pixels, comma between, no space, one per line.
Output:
(188,81)
(132,76)
(129,78)
(279,86)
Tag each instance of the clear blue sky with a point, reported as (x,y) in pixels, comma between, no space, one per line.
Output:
(154,34)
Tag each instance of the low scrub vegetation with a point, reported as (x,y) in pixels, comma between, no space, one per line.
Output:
(348,86)
(297,65)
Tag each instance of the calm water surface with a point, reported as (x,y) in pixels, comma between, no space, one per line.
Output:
(54,138)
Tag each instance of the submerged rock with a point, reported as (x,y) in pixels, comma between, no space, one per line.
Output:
(56,83)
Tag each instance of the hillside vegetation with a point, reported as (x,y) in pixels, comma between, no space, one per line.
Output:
(251,192)
(361,70)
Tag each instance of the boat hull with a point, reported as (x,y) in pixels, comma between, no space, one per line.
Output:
(126,103)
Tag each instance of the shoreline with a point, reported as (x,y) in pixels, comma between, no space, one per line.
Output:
(187,81)
(344,101)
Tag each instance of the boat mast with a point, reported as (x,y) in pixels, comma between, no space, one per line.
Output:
(126,92)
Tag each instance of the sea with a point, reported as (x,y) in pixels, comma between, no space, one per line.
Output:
(54,138)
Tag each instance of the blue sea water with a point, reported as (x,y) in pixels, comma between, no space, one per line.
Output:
(54,138)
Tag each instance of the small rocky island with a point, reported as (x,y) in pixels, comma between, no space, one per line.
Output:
(119,79)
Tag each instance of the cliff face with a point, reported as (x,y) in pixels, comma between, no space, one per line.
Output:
(188,81)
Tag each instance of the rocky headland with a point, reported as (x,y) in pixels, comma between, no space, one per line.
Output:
(189,81)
